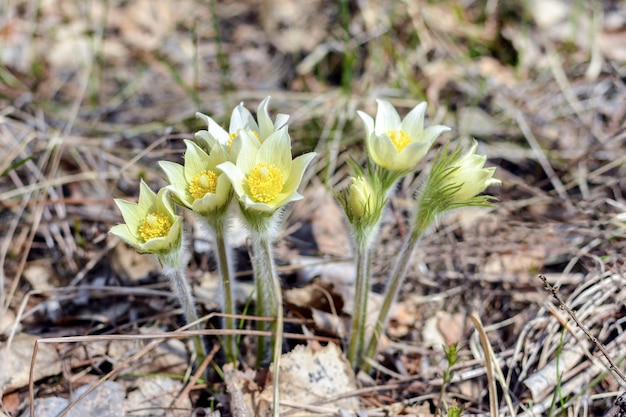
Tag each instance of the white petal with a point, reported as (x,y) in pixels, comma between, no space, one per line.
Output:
(413,123)
(387,117)
(368,122)
(235,175)
(215,129)
(276,150)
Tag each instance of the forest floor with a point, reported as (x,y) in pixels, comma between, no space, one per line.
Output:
(93,94)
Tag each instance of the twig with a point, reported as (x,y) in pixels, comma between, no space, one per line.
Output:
(555,293)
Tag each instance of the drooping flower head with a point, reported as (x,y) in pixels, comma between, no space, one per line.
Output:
(241,119)
(398,144)
(151,225)
(456,180)
(198,184)
(264,176)
(469,175)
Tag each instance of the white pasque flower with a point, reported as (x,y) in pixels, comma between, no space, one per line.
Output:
(241,119)
(264,176)
(151,225)
(198,184)
(398,144)
(467,176)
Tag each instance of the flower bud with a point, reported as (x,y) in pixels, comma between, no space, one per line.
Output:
(360,199)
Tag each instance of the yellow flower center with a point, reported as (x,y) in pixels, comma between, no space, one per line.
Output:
(234,135)
(399,138)
(202,184)
(154,225)
(265,181)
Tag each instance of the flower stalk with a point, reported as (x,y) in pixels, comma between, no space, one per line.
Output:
(455,181)
(152,227)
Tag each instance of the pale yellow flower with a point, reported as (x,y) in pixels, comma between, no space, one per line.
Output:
(241,119)
(398,144)
(198,184)
(468,176)
(265,177)
(151,225)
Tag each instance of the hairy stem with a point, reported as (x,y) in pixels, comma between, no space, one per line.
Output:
(181,287)
(359,313)
(225,269)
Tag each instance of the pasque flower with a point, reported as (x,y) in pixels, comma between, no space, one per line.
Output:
(151,225)
(198,184)
(467,176)
(241,119)
(456,180)
(398,144)
(264,176)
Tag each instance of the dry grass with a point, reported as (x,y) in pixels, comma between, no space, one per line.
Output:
(93,94)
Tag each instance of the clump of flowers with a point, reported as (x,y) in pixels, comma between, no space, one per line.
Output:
(251,163)
(395,146)
(249,170)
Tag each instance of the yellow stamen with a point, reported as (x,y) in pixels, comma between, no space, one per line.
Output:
(202,184)
(234,135)
(399,138)
(154,225)
(265,181)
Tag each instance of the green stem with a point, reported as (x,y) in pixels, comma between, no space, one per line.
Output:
(262,309)
(359,314)
(225,270)
(276,309)
(181,287)
(391,292)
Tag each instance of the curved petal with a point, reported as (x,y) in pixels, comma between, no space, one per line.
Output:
(249,204)
(241,118)
(123,232)
(413,123)
(387,117)
(208,138)
(281,121)
(383,151)
(285,198)
(164,205)
(196,160)
(432,133)
(218,155)
(132,213)
(266,127)
(246,159)
(215,129)
(368,122)
(174,173)
(276,150)
(176,177)
(411,155)
(298,166)
(146,196)
(235,175)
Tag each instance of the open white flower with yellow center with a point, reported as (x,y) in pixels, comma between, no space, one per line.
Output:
(198,184)
(398,144)
(265,177)
(151,225)
(241,119)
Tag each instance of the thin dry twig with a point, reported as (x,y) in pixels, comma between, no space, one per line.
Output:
(555,293)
